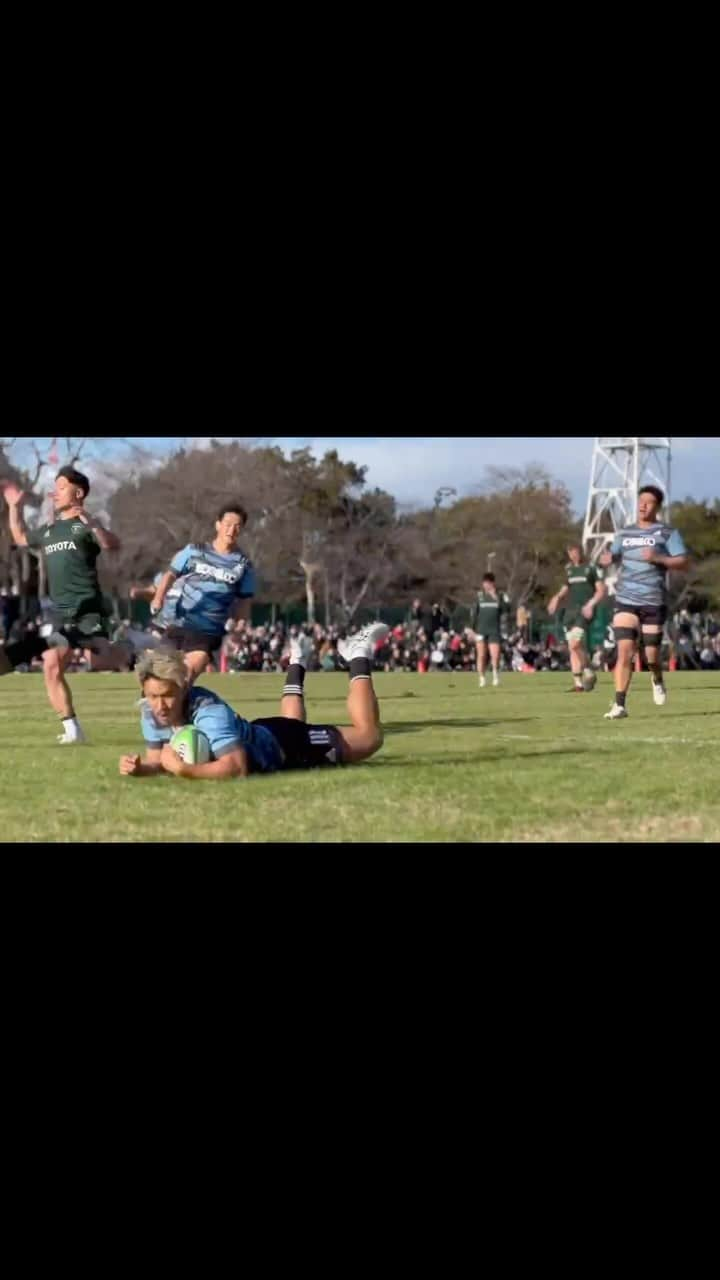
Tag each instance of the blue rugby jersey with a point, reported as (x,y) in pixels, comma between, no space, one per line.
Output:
(638,581)
(223,728)
(211,584)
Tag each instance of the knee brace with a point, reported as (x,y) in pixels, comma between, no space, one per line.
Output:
(625,633)
(652,639)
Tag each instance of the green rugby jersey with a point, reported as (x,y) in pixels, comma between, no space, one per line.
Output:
(582,580)
(71,551)
(487,612)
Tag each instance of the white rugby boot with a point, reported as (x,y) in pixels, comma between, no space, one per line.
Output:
(616,713)
(481,682)
(362,643)
(659,694)
(300,649)
(72,740)
(72,735)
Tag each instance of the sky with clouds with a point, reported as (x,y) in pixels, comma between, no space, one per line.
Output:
(413,470)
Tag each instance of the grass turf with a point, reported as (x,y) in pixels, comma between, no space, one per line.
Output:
(526,762)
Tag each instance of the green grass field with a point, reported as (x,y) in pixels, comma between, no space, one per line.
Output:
(525,762)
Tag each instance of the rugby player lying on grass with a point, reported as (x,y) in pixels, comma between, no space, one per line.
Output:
(239,747)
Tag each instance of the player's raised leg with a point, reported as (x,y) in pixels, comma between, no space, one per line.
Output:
(55,661)
(626,627)
(105,655)
(365,737)
(292,705)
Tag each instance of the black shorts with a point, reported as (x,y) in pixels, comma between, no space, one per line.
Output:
(188,641)
(76,633)
(648,615)
(305,746)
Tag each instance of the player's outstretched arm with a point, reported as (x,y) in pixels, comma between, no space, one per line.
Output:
(14,498)
(161,591)
(234,764)
(557,599)
(149,767)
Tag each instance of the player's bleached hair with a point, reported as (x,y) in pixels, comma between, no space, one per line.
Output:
(162,664)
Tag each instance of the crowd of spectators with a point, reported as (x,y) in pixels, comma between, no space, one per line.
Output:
(426,642)
(694,641)
(408,646)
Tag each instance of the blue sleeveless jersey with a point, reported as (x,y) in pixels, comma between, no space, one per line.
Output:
(211,584)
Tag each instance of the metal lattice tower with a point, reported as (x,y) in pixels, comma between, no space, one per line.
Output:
(620,466)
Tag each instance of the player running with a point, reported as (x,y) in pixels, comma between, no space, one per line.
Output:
(645,552)
(218,582)
(582,592)
(485,622)
(239,747)
(72,544)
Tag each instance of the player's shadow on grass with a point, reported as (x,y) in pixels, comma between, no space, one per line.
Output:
(414,726)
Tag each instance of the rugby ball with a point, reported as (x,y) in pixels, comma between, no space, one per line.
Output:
(191,745)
